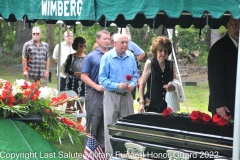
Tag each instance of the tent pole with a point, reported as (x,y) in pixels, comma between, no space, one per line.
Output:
(170,34)
(59,55)
(236,136)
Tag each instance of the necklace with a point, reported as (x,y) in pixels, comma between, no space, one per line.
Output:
(162,66)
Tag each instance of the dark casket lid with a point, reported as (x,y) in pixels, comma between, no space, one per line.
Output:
(178,122)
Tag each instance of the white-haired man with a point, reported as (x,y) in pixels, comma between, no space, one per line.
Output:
(118,74)
(66,49)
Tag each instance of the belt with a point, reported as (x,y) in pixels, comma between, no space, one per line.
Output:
(119,93)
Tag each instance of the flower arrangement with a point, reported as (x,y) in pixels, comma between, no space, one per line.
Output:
(23,98)
(197,117)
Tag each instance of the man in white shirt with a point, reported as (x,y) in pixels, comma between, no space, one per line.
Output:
(66,49)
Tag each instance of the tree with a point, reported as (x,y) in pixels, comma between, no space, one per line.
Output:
(23,34)
(191,46)
(50,36)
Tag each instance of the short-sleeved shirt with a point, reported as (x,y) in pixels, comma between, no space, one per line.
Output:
(37,58)
(91,64)
(65,51)
(133,47)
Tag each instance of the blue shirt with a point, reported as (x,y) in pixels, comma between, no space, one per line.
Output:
(91,64)
(114,69)
(135,48)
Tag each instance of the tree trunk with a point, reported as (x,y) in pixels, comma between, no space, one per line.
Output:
(22,36)
(208,38)
(50,36)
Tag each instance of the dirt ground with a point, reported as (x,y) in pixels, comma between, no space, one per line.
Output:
(194,74)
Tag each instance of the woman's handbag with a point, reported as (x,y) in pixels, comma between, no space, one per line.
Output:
(62,69)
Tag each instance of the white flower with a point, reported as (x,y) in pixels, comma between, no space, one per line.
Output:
(47,92)
(61,107)
(20,82)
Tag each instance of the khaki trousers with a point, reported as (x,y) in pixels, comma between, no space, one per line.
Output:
(114,107)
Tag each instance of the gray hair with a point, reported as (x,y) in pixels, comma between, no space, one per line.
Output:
(118,36)
(66,33)
(126,31)
(99,33)
(35,28)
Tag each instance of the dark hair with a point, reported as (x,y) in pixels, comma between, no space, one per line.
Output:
(78,40)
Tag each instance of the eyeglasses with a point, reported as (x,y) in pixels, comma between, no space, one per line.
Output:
(234,25)
(82,45)
(35,34)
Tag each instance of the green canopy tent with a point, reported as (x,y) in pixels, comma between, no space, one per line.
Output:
(166,12)
(50,11)
(170,13)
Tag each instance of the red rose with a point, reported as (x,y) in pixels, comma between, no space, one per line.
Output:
(128,77)
(196,115)
(222,121)
(216,117)
(167,112)
(206,117)
(48,111)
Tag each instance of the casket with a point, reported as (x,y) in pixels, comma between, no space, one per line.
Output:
(154,136)
(34,118)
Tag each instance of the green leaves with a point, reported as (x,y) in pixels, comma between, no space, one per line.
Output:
(20,110)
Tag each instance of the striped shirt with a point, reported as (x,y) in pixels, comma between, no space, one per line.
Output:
(37,58)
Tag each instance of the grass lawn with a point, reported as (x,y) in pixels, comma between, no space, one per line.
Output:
(196,99)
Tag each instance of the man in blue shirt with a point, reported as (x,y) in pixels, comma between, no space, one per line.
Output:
(136,50)
(94,97)
(114,67)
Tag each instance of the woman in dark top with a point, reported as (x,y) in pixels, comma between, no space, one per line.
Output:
(157,73)
(73,67)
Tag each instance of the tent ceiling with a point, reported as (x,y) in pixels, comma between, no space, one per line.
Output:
(135,12)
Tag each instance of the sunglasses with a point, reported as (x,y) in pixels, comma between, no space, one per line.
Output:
(82,45)
(35,34)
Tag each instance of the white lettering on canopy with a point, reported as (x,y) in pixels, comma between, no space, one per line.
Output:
(61,8)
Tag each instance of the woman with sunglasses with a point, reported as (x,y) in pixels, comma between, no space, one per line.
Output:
(73,66)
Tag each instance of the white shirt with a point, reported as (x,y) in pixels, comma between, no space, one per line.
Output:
(235,42)
(65,51)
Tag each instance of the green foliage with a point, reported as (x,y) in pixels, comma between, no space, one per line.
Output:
(202,59)
(188,42)
(7,35)
(139,37)
(222,30)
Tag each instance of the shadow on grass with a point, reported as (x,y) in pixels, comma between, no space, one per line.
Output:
(71,151)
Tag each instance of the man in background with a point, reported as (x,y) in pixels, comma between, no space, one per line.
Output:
(66,49)
(222,70)
(35,57)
